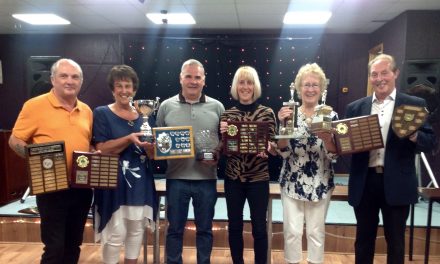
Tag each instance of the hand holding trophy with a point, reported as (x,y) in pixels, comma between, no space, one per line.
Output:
(146,108)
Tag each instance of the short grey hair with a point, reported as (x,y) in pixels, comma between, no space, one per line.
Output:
(56,65)
(191,62)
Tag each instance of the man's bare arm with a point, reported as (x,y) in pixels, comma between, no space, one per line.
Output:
(17,145)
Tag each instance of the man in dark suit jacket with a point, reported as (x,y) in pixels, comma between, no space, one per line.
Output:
(385,179)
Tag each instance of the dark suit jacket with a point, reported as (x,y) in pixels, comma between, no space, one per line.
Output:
(400,181)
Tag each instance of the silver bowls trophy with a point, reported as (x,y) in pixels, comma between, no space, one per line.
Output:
(206,142)
(146,108)
(322,121)
(289,126)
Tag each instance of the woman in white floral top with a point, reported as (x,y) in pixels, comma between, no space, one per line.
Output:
(306,177)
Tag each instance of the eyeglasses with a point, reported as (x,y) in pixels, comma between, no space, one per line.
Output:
(310,85)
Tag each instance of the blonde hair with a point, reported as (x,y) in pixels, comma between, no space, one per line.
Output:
(384,57)
(310,68)
(247,73)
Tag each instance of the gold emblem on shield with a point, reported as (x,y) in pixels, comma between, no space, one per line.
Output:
(232,130)
(342,128)
(408,117)
(82,161)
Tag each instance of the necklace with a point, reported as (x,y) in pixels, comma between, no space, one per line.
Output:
(308,118)
(130,123)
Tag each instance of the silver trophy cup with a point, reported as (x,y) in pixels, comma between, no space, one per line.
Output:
(146,108)
(206,142)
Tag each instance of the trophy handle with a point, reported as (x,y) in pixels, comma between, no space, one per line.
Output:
(132,103)
(156,104)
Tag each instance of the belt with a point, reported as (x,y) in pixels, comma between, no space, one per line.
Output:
(377,169)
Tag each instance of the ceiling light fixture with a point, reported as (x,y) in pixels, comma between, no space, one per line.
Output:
(307,18)
(41,19)
(171,18)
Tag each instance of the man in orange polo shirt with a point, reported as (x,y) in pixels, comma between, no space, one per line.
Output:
(59,116)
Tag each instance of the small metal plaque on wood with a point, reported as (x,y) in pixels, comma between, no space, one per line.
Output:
(47,167)
(246,137)
(358,134)
(173,142)
(407,119)
(99,171)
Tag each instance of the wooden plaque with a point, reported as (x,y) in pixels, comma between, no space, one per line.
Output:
(173,142)
(246,137)
(358,134)
(47,167)
(407,119)
(97,171)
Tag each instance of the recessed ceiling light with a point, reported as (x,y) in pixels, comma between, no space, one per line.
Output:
(42,19)
(171,18)
(307,18)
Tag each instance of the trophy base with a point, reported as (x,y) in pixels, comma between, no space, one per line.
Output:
(321,127)
(146,138)
(290,136)
(206,156)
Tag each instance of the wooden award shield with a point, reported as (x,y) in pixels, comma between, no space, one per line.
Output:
(47,167)
(99,171)
(246,137)
(407,119)
(358,134)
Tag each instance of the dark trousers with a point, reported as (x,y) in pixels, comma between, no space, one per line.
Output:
(63,216)
(367,217)
(257,194)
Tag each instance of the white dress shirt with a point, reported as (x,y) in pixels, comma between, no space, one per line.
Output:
(384,110)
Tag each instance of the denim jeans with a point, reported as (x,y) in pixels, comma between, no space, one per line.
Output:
(204,196)
(257,194)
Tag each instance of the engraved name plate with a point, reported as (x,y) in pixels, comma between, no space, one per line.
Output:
(173,142)
(358,134)
(99,171)
(246,137)
(47,167)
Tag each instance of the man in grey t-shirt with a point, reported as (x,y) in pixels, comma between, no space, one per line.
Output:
(189,178)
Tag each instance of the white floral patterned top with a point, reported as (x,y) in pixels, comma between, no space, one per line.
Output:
(307,171)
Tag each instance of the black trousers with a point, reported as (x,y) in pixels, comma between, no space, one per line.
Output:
(367,217)
(63,216)
(257,194)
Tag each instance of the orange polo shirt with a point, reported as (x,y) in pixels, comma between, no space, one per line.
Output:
(42,119)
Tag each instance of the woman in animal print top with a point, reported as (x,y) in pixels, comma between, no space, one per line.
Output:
(247,175)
